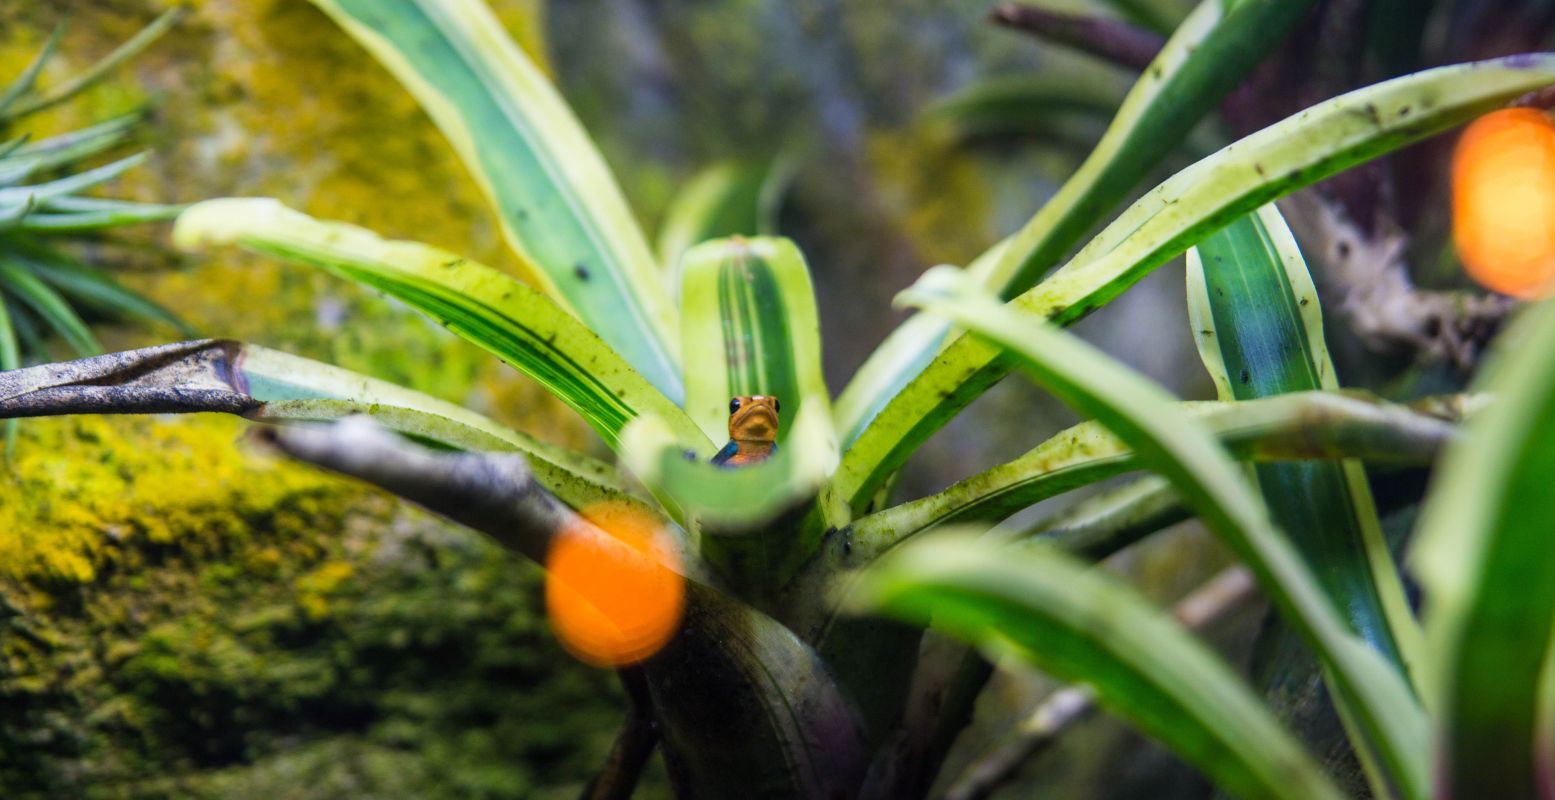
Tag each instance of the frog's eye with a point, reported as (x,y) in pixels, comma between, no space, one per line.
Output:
(777,406)
(734,405)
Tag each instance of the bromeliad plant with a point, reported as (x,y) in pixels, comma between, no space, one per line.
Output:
(42,210)
(779,681)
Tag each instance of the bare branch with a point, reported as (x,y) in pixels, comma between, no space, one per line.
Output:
(1367,282)
(633,745)
(1108,39)
(492,493)
(175,378)
(1225,592)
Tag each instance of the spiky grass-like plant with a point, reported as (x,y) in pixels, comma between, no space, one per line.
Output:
(45,211)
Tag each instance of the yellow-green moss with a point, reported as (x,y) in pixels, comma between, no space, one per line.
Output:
(85,493)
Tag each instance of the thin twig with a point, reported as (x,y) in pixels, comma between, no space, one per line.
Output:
(1109,39)
(1220,595)
(490,492)
(634,745)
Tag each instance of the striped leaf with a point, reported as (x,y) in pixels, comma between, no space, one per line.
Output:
(263,384)
(1286,428)
(1179,213)
(559,208)
(514,322)
(1171,443)
(1483,554)
(1259,329)
(1078,624)
(749,327)
(1206,57)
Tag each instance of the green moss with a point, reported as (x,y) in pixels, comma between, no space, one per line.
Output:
(181,617)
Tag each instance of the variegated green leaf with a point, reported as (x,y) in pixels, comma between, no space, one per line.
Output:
(1143,416)
(1078,624)
(749,326)
(1205,58)
(1286,428)
(1305,148)
(513,321)
(560,209)
(1259,328)
(1483,554)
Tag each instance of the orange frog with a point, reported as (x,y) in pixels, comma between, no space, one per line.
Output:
(753,427)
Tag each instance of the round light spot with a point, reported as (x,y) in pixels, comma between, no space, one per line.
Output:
(1503,178)
(611,590)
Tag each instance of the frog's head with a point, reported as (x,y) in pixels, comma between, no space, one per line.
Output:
(753,419)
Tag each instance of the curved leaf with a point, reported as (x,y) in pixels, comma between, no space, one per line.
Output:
(1142,415)
(1483,554)
(1259,329)
(1079,625)
(1307,425)
(1276,161)
(559,207)
(514,322)
(1206,57)
(749,326)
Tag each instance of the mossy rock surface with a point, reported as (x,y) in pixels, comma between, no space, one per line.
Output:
(264,630)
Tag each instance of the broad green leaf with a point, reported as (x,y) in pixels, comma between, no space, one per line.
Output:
(511,320)
(1207,56)
(263,384)
(1172,444)
(1274,162)
(1286,428)
(1484,557)
(559,207)
(727,199)
(749,327)
(1078,624)
(1259,329)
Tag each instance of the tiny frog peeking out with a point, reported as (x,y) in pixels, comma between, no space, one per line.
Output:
(753,427)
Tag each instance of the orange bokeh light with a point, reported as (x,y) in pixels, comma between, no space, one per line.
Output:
(614,599)
(1503,177)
